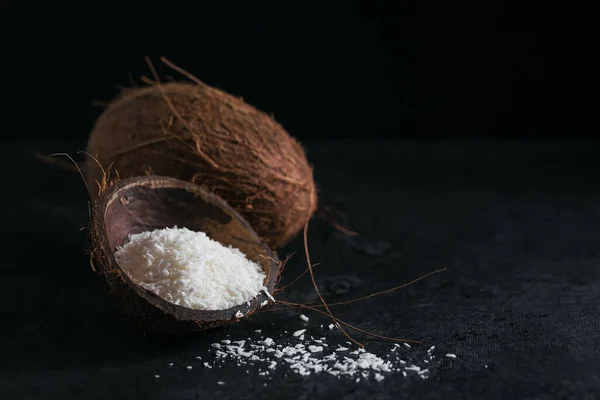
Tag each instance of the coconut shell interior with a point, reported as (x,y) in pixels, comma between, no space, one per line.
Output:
(142,204)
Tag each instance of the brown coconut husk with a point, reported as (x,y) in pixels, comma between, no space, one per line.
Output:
(201,134)
(142,204)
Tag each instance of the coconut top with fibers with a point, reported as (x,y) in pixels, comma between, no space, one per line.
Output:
(214,140)
(189,269)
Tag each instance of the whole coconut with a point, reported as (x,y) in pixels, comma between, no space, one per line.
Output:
(201,134)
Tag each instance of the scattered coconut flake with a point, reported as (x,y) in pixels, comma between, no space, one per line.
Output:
(266,292)
(406,344)
(157,376)
(331,326)
(303,317)
(189,367)
(258,331)
(451,355)
(308,357)
(220,383)
(239,314)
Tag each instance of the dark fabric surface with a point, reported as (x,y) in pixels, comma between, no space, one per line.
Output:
(515,223)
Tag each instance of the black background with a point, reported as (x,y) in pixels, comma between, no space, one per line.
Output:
(474,168)
(324,69)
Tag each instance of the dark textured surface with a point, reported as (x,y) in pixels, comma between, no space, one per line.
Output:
(516,224)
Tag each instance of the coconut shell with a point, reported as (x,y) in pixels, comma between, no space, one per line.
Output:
(143,204)
(200,134)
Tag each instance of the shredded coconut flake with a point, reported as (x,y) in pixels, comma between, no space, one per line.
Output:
(268,355)
(303,317)
(190,269)
(266,292)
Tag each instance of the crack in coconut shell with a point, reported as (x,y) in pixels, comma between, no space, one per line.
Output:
(206,136)
(146,203)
